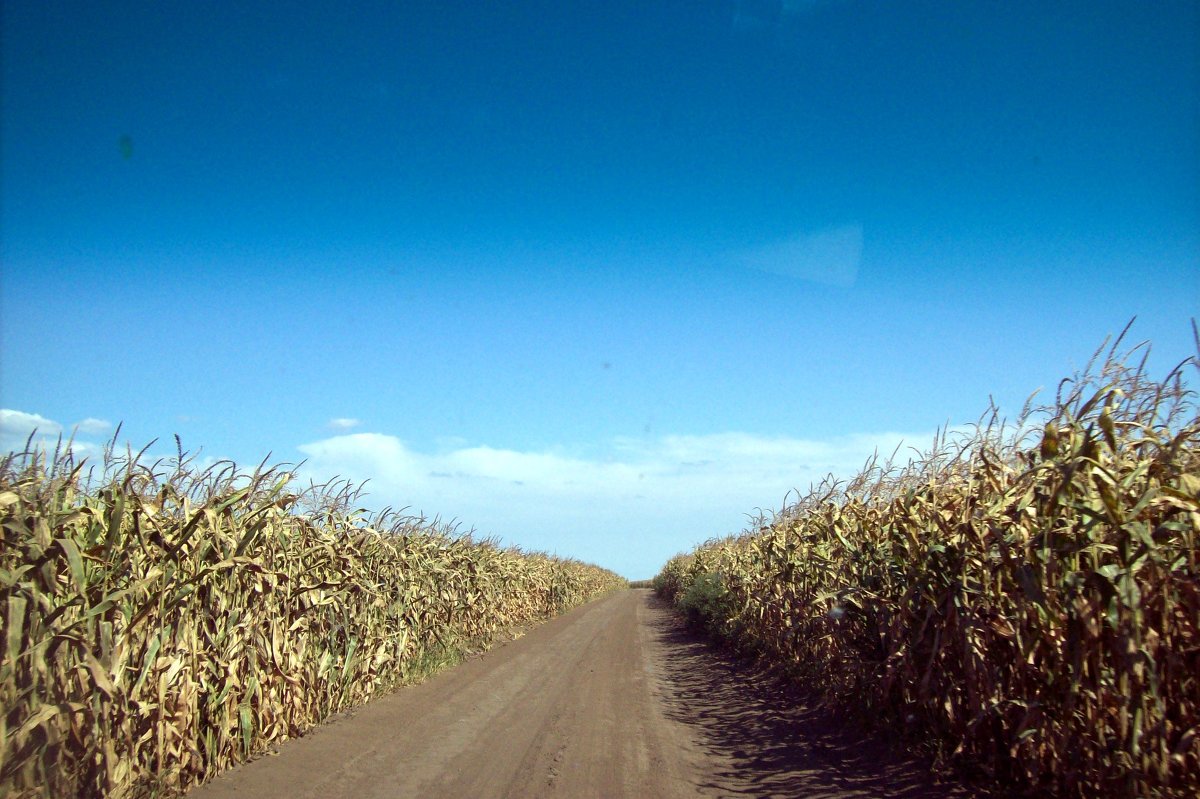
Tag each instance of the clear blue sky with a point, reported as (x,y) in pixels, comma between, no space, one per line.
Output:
(597,277)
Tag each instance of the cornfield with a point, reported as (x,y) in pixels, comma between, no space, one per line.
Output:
(161,623)
(1025,595)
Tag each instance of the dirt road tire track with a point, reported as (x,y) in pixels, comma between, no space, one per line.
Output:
(613,699)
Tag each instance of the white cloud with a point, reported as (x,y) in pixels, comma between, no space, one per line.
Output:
(93,427)
(831,257)
(629,508)
(81,439)
(17,426)
(342,424)
(19,423)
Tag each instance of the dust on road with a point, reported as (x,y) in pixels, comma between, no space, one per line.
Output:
(614,699)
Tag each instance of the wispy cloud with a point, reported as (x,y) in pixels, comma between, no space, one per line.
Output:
(628,504)
(93,427)
(831,257)
(759,15)
(342,424)
(16,427)
(636,502)
(89,439)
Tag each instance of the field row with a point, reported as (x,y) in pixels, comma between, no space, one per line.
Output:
(1025,595)
(162,623)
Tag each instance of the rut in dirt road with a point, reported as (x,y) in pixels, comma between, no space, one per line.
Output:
(613,699)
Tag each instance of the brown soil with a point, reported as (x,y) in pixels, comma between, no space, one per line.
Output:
(614,699)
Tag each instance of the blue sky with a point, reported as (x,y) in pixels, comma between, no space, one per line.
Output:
(597,277)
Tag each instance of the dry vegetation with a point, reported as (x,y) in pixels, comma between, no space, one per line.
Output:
(1026,595)
(161,623)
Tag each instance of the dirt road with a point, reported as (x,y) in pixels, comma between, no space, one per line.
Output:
(613,699)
